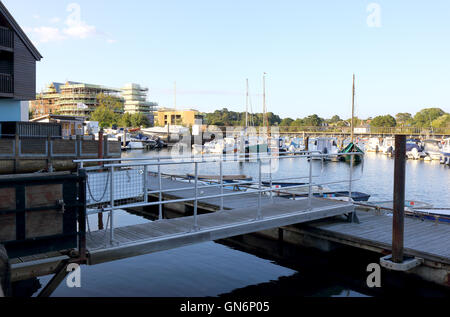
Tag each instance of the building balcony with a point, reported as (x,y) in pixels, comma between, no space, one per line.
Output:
(6,39)
(6,85)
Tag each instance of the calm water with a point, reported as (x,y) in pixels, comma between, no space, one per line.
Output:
(212,269)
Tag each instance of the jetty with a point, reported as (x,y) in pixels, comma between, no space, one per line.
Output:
(204,211)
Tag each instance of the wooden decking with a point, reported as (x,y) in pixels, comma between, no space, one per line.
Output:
(423,239)
(172,233)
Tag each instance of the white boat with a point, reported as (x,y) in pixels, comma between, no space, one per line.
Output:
(373,145)
(445,152)
(133,145)
(414,150)
(388,146)
(295,145)
(325,146)
(433,149)
(225,146)
(220,146)
(176,132)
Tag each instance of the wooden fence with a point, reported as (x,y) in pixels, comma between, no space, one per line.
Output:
(31,154)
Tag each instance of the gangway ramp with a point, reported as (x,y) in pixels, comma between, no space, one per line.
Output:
(167,234)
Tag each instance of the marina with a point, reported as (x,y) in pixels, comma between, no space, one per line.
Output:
(225,213)
(184,183)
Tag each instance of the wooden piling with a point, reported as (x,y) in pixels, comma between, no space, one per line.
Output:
(399,199)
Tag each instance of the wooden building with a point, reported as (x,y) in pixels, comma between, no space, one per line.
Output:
(71,125)
(18,58)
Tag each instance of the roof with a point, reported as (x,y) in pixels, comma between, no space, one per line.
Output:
(58,117)
(73,84)
(58,85)
(18,30)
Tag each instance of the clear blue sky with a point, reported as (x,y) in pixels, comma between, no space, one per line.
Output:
(309,50)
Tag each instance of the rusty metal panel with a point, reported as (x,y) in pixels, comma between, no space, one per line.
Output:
(45,222)
(89,147)
(41,212)
(7,221)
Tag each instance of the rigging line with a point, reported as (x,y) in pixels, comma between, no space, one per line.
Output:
(251,107)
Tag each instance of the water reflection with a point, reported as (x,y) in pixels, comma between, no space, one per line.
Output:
(212,269)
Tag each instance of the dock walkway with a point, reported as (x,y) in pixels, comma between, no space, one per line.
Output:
(423,239)
(172,233)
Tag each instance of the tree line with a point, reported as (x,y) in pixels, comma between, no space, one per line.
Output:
(426,118)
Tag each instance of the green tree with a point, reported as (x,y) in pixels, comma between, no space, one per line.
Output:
(108,112)
(442,121)
(105,116)
(139,120)
(403,118)
(298,123)
(286,122)
(384,121)
(425,117)
(125,120)
(313,121)
(225,117)
(335,119)
(111,102)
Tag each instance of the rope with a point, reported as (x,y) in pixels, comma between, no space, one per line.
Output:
(90,192)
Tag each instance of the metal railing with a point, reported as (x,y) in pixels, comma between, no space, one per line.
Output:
(365,131)
(124,183)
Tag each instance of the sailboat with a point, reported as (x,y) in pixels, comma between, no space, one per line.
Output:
(254,144)
(352,147)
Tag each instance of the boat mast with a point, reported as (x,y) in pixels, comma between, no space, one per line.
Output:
(175,95)
(353,109)
(246,107)
(265,118)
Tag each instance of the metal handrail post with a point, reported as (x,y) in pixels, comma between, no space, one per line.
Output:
(111,213)
(160,206)
(310,184)
(259,215)
(221,185)
(271,182)
(145,175)
(196,198)
(351,179)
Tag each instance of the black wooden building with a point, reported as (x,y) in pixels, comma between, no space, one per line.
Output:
(18,58)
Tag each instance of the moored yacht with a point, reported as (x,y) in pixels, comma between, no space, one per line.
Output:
(325,146)
(388,146)
(445,152)
(433,149)
(414,150)
(373,145)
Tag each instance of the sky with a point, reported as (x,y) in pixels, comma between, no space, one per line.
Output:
(399,51)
